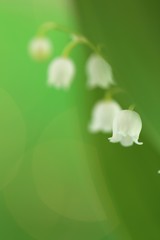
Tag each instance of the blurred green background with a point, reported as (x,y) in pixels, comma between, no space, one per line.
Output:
(57,181)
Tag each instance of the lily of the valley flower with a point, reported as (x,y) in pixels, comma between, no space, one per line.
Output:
(127,126)
(40,48)
(61,72)
(103,114)
(99,72)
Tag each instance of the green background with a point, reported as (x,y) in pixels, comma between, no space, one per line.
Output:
(57,181)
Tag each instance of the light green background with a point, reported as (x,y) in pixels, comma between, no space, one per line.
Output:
(57,181)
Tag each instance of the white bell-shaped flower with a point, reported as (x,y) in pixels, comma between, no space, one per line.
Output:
(103,114)
(61,72)
(127,126)
(40,48)
(99,72)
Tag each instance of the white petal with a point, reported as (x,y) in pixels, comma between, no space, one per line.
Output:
(127,141)
(61,72)
(128,125)
(99,72)
(103,115)
(94,128)
(115,139)
(40,48)
(137,142)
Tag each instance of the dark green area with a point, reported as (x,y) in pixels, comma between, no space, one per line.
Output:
(130,31)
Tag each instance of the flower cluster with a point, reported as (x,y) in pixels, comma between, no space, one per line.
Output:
(107,115)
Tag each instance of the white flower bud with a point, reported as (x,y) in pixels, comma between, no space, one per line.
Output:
(61,72)
(103,114)
(40,48)
(127,126)
(99,72)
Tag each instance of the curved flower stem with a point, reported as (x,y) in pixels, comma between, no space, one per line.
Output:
(74,43)
(46,27)
(79,39)
(92,46)
(109,94)
(70,47)
(132,107)
(101,46)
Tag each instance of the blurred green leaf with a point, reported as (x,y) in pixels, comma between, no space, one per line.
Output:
(130,31)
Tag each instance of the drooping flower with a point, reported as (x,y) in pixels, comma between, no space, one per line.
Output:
(61,72)
(127,126)
(40,48)
(99,72)
(103,114)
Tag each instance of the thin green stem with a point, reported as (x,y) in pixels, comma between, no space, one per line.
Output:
(46,27)
(109,94)
(70,47)
(132,107)
(92,46)
(74,43)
